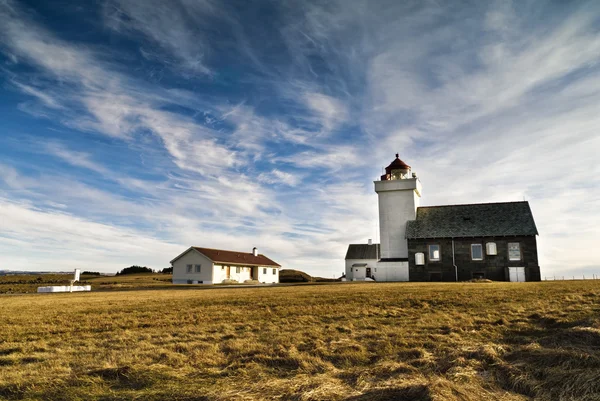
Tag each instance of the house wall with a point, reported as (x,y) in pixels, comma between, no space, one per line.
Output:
(398,202)
(270,277)
(359,273)
(192,257)
(493,267)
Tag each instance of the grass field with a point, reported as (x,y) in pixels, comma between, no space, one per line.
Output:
(488,341)
(19,284)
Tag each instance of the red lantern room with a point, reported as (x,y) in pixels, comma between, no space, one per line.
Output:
(397,170)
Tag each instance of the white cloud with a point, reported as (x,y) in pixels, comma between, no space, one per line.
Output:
(279,177)
(74,158)
(331,111)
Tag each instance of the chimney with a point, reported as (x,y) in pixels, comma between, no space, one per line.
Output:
(370,241)
(254,251)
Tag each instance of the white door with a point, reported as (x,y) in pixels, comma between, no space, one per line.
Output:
(516,274)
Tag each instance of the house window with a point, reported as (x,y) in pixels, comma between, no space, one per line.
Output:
(222,267)
(419,258)
(198,268)
(274,271)
(237,269)
(476,252)
(434,253)
(490,248)
(189,268)
(514,251)
(264,270)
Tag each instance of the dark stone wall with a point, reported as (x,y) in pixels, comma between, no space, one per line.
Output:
(493,267)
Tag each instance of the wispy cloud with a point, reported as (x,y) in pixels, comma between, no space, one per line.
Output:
(231,133)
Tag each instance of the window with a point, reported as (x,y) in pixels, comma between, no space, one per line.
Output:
(490,248)
(198,268)
(189,268)
(264,270)
(237,269)
(434,253)
(274,271)
(222,267)
(419,259)
(476,252)
(514,251)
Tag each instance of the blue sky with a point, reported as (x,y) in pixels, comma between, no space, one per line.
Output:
(131,130)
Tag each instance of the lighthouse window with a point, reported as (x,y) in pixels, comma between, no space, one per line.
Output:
(476,252)
(434,253)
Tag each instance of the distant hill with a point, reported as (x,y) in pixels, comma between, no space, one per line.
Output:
(297,276)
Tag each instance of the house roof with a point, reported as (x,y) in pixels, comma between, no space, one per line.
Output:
(474,220)
(232,257)
(363,251)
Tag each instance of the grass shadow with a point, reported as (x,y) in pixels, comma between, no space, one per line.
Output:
(418,392)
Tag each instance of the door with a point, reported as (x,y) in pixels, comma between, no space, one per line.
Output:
(516,274)
(228,275)
(368,272)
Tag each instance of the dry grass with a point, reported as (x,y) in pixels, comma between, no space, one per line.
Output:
(491,341)
(19,284)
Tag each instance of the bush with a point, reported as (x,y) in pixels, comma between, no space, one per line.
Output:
(86,273)
(167,270)
(135,270)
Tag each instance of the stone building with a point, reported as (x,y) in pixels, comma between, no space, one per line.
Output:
(496,241)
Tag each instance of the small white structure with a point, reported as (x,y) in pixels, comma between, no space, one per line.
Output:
(67,288)
(361,261)
(211,266)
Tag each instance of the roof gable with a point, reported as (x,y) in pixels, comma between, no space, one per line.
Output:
(474,220)
(363,251)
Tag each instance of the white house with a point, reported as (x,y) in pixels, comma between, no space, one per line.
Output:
(211,266)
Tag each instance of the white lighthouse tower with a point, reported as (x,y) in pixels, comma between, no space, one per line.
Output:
(399,193)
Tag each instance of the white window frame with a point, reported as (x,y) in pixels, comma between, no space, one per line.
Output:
(419,259)
(439,250)
(189,269)
(508,250)
(274,271)
(491,248)
(197,268)
(481,250)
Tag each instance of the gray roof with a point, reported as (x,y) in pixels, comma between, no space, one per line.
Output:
(475,220)
(363,251)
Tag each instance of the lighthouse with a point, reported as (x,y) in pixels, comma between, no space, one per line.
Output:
(399,192)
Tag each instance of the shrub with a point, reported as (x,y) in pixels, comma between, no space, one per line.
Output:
(134,270)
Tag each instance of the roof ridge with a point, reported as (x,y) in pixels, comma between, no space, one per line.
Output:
(223,250)
(473,204)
